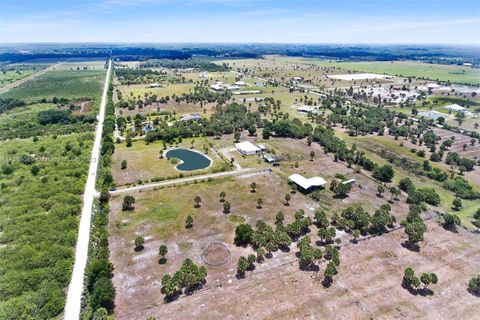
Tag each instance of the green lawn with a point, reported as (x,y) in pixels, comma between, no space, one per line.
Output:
(456,74)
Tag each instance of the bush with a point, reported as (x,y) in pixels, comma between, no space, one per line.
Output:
(103,294)
(384,173)
(243,234)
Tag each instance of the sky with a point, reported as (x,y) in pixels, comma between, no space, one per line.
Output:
(241,21)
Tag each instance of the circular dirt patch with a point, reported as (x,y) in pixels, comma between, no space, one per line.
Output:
(216,254)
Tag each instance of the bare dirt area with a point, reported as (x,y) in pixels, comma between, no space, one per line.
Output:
(368,285)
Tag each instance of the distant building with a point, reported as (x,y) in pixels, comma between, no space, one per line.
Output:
(191,117)
(306,109)
(155,85)
(240,83)
(307,184)
(247,148)
(350,181)
(272,159)
(216,87)
(148,127)
(203,74)
(234,87)
(455,107)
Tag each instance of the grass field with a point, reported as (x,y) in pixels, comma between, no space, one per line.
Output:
(70,84)
(40,200)
(456,74)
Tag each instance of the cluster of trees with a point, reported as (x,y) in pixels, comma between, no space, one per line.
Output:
(412,282)
(414,226)
(359,221)
(100,291)
(134,76)
(10,103)
(53,116)
(461,188)
(200,64)
(464,164)
(188,278)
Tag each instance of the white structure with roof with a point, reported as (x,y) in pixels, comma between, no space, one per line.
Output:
(305,183)
(216,87)
(455,107)
(240,83)
(247,148)
(306,109)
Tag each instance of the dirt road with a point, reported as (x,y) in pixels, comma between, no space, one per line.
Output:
(74,296)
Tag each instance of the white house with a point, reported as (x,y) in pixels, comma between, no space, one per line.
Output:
(306,109)
(247,148)
(216,87)
(455,107)
(307,184)
(155,85)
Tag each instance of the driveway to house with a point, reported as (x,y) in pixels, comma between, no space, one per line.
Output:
(74,295)
(184,180)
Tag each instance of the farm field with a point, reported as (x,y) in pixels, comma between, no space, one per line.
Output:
(17,73)
(454,74)
(70,84)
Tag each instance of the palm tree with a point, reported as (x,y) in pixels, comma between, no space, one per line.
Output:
(287,199)
(222,196)
(253,186)
(198,201)
(189,222)
(163,250)
(139,242)
(259,203)
(312,154)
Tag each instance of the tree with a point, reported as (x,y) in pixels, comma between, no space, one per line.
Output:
(341,190)
(242,266)
(279,217)
(129,141)
(101,314)
(103,294)
(395,192)
(259,203)
(252,131)
(163,250)
(222,196)
(451,221)
(406,185)
(312,155)
(415,230)
(287,199)
(243,234)
(189,222)
(355,235)
(226,207)
(329,272)
(35,170)
(427,278)
(197,201)
(123,165)
(321,219)
(410,280)
(266,133)
(384,173)
(128,201)
(260,254)
(380,190)
(253,187)
(457,204)
(474,285)
(139,242)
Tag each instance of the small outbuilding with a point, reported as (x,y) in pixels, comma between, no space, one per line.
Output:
(247,148)
(307,184)
(216,87)
(191,117)
(306,109)
(454,107)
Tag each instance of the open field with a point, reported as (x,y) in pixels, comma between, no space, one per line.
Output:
(452,73)
(42,183)
(368,285)
(14,73)
(144,162)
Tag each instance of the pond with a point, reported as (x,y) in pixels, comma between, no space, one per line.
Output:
(191,160)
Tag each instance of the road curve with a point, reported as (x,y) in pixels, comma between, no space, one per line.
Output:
(74,295)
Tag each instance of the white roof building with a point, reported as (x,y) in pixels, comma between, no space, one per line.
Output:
(247,148)
(216,87)
(306,109)
(240,83)
(305,183)
(234,87)
(454,107)
(154,85)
